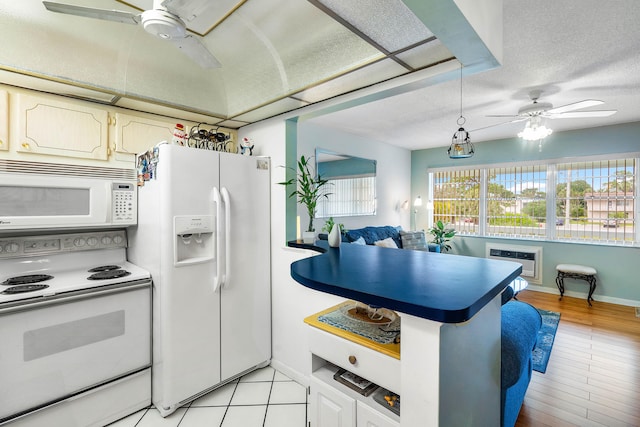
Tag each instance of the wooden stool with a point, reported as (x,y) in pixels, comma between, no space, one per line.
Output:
(575,271)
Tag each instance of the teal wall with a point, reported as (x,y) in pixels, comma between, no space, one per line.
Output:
(618,279)
(354,166)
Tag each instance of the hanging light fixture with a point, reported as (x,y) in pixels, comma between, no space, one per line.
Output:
(535,130)
(461,146)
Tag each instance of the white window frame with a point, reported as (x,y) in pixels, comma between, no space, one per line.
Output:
(551,183)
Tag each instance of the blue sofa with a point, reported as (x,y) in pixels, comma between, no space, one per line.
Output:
(520,325)
(372,234)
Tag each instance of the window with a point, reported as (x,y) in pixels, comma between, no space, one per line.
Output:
(516,201)
(348,197)
(457,199)
(589,201)
(596,200)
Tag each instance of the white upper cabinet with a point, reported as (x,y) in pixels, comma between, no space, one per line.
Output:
(134,135)
(58,127)
(4,120)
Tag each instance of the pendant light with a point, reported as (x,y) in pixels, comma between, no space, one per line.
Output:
(461,146)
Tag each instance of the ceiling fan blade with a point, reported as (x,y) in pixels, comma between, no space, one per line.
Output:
(89,12)
(194,49)
(502,115)
(575,106)
(520,119)
(582,114)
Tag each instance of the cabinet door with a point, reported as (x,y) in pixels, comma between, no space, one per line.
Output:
(331,408)
(369,417)
(136,135)
(4,120)
(49,126)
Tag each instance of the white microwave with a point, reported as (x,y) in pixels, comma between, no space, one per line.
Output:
(35,198)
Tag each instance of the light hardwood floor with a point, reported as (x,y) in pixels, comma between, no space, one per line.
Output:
(593,376)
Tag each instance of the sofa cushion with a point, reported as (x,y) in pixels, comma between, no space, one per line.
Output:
(413,239)
(359,241)
(373,234)
(520,325)
(386,243)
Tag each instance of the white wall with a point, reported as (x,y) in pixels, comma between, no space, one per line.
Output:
(292,302)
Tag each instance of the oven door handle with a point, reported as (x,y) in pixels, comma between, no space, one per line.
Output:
(74,296)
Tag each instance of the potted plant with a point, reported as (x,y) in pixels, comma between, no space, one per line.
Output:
(334,236)
(442,235)
(307,191)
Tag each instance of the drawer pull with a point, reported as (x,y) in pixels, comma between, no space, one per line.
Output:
(26,146)
(352,360)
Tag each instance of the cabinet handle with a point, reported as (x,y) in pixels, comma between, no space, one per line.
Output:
(352,360)
(1,142)
(26,146)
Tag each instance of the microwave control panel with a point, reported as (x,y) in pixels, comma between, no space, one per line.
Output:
(124,209)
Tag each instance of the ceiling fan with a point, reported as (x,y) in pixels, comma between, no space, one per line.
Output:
(162,21)
(546,110)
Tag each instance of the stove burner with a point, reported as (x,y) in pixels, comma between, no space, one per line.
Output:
(23,288)
(23,280)
(109,274)
(104,268)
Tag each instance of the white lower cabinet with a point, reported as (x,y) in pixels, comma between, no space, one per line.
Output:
(335,405)
(368,417)
(330,407)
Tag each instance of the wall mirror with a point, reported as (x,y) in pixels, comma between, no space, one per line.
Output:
(352,191)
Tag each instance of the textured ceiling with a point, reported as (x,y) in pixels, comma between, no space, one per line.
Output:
(347,72)
(276,55)
(571,50)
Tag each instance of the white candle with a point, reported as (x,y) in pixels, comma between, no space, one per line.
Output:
(298,228)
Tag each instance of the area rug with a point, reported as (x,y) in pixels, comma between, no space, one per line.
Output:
(546,335)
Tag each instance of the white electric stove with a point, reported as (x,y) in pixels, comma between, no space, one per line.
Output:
(39,267)
(75,323)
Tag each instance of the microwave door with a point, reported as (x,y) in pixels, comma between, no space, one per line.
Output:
(29,202)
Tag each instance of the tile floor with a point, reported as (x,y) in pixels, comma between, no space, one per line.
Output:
(263,398)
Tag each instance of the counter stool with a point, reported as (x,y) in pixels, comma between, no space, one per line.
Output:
(575,271)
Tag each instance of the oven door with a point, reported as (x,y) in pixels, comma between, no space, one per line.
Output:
(51,350)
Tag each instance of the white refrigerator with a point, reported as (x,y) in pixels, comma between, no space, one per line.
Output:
(204,234)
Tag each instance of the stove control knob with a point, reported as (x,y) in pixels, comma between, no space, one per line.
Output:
(11,247)
(92,241)
(118,239)
(79,242)
(106,240)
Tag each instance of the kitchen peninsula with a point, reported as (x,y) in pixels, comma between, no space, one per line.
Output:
(449,370)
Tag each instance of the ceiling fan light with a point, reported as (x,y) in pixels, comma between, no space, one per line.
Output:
(534,131)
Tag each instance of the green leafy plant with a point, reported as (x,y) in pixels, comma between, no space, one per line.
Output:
(328,226)
(441,235)
(308,187)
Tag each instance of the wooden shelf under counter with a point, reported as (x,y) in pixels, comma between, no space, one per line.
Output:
(392,350)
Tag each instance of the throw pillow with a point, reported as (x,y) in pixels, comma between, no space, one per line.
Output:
(360,241)
(386,243)
(413,240)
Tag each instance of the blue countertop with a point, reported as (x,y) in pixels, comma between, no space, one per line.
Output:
(440,287)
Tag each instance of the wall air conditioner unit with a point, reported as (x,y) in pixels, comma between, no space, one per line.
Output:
(529,256)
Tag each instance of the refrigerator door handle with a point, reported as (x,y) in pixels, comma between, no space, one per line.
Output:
(227,236)
(217,200)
